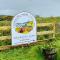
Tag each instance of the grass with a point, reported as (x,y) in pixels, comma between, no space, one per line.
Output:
(27,53)
(5,23)
(22,53)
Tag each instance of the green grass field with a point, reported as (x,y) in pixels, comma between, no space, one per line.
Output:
(29,52)
(22,53)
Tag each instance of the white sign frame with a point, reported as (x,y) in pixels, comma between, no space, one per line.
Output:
(19,38)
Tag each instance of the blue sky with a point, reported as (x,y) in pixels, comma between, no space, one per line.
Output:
(35,7)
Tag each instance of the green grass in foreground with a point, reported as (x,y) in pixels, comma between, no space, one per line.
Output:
(25,53)
(28,53)
(22,53)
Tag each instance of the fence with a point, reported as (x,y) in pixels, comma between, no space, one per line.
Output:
(8,28)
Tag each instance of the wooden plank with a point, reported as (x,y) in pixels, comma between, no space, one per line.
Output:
(5,38)
(44,24)
(5,28)
(45,32)
(54,30)
(21,45)
(38,33)
(5,47)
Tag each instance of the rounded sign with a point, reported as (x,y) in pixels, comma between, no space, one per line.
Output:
(23,29)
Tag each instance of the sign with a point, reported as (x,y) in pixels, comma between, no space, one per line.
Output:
(23,29)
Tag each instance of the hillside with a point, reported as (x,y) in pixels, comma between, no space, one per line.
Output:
(29,52)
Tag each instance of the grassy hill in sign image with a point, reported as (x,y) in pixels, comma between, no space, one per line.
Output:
(25,28)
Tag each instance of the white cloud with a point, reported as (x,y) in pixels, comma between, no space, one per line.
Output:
(39,7)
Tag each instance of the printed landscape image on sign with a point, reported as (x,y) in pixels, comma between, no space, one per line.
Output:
(23,29)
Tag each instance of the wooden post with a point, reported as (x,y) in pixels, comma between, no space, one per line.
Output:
(54,30)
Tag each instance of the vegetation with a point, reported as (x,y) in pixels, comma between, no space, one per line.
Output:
(29,52)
